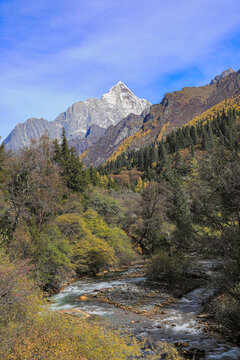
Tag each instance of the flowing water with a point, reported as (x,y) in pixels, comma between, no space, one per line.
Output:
(178,322)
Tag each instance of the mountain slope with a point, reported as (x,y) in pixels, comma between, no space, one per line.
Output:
(113,138)
(91,137)
(175,110)
(78,118)
(222,75)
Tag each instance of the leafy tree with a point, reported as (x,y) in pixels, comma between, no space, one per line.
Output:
(52,254)
(33,185)
(139,185)
(106,206)
(216,198)
(148,217)
(91,253)
(114,236)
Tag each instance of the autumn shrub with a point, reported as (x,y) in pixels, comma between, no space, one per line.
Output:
(19,299)
(106,206)
(167,267)
(114,236)
(52,254)
(52,336)
(29,330)
(167,351)
(225,310)
(91,253)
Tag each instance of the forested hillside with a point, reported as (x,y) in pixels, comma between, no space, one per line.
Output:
(189,186)
(169,203)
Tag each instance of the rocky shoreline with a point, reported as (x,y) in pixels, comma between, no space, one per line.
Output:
(152,311)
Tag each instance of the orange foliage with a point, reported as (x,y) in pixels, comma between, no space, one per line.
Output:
(226,104)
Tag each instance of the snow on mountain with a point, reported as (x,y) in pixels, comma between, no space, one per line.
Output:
(79,117)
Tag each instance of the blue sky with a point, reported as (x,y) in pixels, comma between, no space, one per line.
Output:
(54,53)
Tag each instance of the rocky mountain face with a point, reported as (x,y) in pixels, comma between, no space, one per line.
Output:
(113,138)
(175,110)
(222,75)
(78,118)
(32,128)
(91,137)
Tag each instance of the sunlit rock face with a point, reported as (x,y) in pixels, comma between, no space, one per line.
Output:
(113,106)
(222,75)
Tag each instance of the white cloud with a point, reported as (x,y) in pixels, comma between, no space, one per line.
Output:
(78,47)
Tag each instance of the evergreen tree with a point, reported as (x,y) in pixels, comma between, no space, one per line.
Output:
(194,135)
(140,161)
(71,167)
(204,140)
(93,175)
(210,139)
(181,213)
(187,137)
(180,138)
(152,154)
(146,158)
(162,155)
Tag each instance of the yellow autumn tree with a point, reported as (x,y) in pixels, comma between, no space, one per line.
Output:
(139,185)
(104,181)
(90,251)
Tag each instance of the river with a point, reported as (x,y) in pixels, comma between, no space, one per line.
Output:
(178,322)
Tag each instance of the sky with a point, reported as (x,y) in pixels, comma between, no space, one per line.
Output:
(54,53)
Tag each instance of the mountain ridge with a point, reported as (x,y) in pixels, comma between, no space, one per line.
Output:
(175,110)
(113,106)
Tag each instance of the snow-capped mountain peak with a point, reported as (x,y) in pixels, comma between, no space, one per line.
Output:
(112,107)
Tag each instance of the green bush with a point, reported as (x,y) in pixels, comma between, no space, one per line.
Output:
(90,251)
(225,310)
(105,206)
(170,268)
(52,253)
(114,236)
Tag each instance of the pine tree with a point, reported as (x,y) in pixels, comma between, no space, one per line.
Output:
(71,167)
(210,139)
(140,161)
(162,155)
(194,135)
(187,137)
(152,155)
(182,216)
(93,175)
(146,158)
(180,138)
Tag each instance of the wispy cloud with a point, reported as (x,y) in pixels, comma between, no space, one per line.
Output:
(55,53)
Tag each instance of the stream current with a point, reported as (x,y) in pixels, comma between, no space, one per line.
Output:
(178,323)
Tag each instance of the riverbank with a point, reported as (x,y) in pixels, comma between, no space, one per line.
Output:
(150,312)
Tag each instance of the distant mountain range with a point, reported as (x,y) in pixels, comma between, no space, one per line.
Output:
(120,121)
(175,110)
(79,118)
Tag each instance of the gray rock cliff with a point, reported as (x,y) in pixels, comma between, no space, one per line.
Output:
(222,75)
(113,106)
